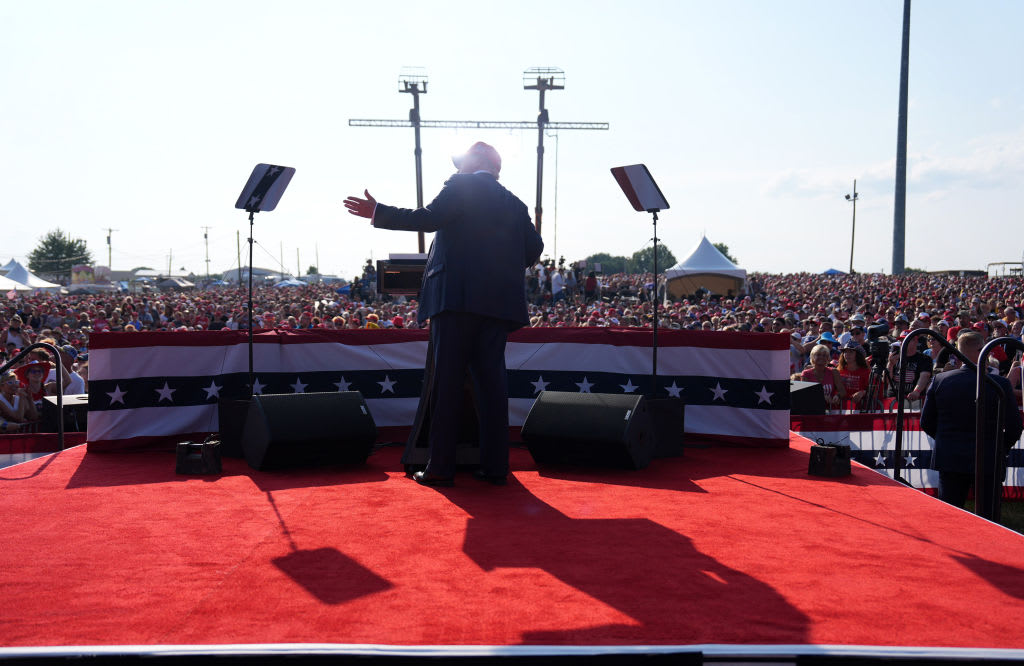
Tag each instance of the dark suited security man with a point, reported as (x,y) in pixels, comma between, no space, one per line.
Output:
(948,416)
(473,294)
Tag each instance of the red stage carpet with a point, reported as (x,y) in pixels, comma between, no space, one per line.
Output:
(724,546)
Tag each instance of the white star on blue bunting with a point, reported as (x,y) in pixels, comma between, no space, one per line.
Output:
(540,384)
(388,385)
(166,393)
(298,386)
(343,384)
(719,392)
(584,385)
(674,390)
(213,391)
(117,395)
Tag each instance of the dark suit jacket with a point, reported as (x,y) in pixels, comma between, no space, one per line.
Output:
(948,415)
(484,241)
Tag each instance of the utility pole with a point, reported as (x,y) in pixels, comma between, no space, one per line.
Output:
(110,265)
(853,227)
(206,242)
(298,264)
(170,255)
(541,79)
(238,249)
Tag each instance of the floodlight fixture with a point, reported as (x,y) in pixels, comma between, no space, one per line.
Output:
(544,78)
(413,80)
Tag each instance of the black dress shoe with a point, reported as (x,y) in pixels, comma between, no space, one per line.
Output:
(437,481)
(494,480)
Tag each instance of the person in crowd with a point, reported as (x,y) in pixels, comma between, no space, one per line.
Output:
(949,417)
(16,334)
(853,368)
(557,286)
(74,384)
(914,377)
(797,358)
(473,295)
(829,341)
(16,405)
(590,287)
(32,376)
(1002,352)
(822,373)
(938,353)
(1014,377)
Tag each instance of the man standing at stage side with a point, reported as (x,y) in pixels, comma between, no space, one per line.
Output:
(473,294)
(948,416)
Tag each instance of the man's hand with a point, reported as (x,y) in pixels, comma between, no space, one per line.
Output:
(361,207)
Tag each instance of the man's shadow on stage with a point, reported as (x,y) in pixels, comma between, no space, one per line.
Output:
(146,467)
(671,591)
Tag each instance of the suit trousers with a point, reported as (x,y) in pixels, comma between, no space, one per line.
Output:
(954,487)
(461,341)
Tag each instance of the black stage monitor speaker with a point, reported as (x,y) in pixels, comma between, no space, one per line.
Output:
(807,398)
(589,429)
(307,430)
(76,413)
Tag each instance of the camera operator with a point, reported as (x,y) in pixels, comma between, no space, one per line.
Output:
(917,373)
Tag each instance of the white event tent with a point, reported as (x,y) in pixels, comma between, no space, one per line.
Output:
(7,284)
(22,275)
(705,268)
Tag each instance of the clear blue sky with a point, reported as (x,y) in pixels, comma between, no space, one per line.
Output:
(754,117)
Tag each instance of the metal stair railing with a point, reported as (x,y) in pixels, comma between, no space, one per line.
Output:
(987,499)
(901,394)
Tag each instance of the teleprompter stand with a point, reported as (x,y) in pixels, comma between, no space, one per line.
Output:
(262,192)
(667,413)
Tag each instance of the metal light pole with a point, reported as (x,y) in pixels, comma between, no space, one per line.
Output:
(410,81)
(206,242)
(110,261)
(853,227)
(542,79)
(899,222)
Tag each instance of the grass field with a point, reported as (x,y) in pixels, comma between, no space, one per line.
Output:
(1012,515)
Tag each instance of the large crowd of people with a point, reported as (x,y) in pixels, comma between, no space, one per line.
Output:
(827,318)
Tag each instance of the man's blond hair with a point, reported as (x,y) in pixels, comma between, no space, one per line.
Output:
(970,341)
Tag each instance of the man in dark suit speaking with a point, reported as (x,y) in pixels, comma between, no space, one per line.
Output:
(948,416)
(473,294)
